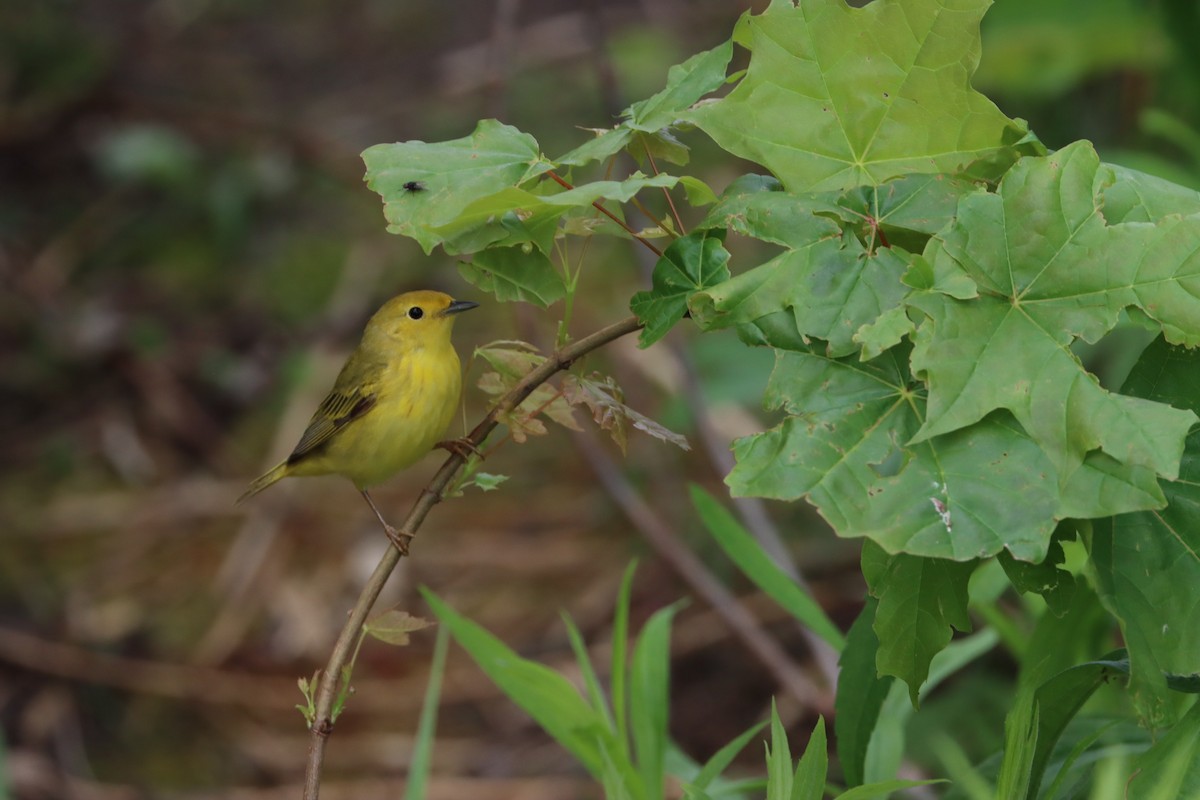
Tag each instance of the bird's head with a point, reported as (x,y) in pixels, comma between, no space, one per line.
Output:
(418,317)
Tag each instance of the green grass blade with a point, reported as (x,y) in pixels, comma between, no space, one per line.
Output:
(779,761)
(590,681)
(723,758)
(544,694)
(809,781)
(872,791)
(422,755)
(861,692)
(740,546)
(620,670)
(649,699)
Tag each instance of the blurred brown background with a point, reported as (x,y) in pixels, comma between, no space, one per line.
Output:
(187,251)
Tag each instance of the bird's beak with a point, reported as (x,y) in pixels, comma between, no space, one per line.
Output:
(457,307)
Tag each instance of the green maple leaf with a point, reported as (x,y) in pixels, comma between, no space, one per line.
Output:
(689,264)
(834,276)
(920,600)
(512,274)
(837,97)
(480,191)
(1050,270)
(645,120)
(847,446)
(686,83)
(1147,565)
(448,176)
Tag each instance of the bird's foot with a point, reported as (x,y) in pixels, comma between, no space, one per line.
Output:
(463,448)
(398,538)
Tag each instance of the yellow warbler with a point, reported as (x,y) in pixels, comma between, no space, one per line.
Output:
(390,403)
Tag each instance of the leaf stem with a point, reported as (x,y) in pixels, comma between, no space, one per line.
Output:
(559,360)
(596,204)
(666,192)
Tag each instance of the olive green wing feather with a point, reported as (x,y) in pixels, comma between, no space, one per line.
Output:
(352,396)
(337,411)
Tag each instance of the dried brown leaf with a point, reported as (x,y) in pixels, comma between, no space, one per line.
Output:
(604,398)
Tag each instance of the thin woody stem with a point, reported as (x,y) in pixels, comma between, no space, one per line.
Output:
(327,692)
(666,191)
(596,204)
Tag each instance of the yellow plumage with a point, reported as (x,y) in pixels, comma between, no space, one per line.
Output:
(390,403)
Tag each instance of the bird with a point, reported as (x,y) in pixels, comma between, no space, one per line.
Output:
(390,404)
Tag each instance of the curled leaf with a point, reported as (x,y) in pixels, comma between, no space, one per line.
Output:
(602,396)
(393,626)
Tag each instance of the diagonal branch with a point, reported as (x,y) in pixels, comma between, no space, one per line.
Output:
(323,722)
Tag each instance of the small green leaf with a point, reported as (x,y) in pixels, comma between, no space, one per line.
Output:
(686,83)
(488,482)
(693,262)
(511,358)
(887,331)
(308,688)
(605,143)
(920,600)
(512,274)
(938,276)
(455,173)
(651,149)
(1055,585)
(698,192)
(908,207)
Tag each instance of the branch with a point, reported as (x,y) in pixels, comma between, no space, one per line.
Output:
(327,693)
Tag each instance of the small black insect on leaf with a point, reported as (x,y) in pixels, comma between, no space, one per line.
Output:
(412,187)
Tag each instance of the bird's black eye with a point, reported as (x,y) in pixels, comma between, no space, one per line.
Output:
(415,312)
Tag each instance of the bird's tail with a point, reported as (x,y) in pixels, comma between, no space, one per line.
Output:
(263,481)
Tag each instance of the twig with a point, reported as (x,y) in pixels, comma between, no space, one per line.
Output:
(596,204)
(323,723)
(666,191)
(144,676)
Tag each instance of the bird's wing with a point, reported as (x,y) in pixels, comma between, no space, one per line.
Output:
(339,409)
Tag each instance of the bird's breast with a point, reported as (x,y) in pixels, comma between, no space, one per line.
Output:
(417,397)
